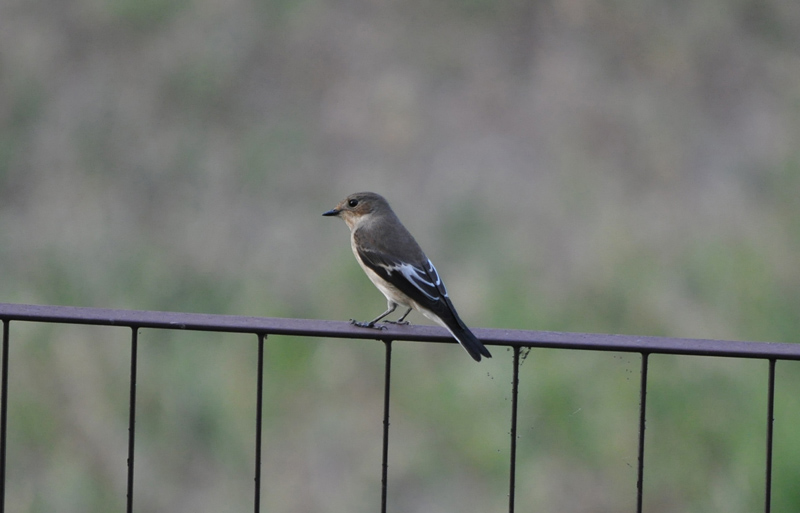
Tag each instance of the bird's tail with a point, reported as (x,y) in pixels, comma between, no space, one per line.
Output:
(468,341)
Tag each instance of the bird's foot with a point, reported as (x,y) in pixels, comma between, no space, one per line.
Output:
(366,325)
(398,323)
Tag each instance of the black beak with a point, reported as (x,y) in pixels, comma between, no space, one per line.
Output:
(333,212)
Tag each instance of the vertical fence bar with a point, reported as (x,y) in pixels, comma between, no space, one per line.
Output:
(770,422)
(512,479)
(642,420)
(385,457)
(4,417)
(132,416)
(259,411)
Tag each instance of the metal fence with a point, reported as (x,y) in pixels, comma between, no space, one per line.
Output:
(262,327)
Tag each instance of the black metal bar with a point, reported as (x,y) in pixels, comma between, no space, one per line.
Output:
(343,329)
(132,416)
(4,416)
(770,422)
(385,456)
(259,409)
(515,339)
(513,459)
(642,420)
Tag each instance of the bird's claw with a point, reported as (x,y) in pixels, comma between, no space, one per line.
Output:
(366,325)
(397,323)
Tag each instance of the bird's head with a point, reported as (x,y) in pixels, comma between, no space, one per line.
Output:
(359,207)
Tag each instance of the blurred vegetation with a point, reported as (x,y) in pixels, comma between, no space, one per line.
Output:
(600,167)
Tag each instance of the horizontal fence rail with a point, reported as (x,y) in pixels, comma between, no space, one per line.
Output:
(264,326)
(343,329)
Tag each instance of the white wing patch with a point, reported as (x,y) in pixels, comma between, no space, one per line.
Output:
(422,279)
(435,275)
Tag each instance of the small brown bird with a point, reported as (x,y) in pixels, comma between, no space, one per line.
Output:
(397,266)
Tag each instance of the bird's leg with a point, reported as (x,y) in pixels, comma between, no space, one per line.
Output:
(402,320)
(371,324)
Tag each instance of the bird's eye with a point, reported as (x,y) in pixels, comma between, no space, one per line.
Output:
(353,202)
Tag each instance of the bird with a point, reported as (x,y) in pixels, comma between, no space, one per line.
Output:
(397,266)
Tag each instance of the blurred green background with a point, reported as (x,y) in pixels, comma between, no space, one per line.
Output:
(626,167)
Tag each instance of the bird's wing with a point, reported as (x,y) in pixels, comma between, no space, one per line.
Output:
(420,282)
